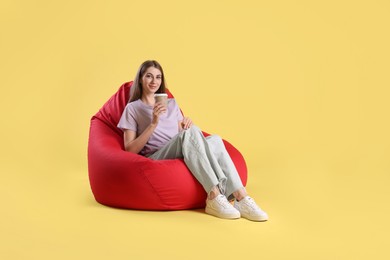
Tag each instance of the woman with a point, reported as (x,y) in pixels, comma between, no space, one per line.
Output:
(160,131)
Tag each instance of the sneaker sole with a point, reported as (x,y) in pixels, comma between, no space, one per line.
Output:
(215,213)
(254,218)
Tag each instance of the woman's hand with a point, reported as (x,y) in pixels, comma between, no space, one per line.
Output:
(158,109)
(186,123)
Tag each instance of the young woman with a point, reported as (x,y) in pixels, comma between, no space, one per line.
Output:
(160,131)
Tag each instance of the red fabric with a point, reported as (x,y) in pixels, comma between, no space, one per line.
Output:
(127,180)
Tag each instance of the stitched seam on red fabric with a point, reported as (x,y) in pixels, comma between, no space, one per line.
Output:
(153,188)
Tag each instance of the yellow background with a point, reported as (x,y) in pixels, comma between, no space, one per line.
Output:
(301,88)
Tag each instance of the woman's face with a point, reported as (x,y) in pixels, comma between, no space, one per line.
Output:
(151,80)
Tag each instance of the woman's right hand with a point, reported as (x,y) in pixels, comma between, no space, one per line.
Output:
(158,109)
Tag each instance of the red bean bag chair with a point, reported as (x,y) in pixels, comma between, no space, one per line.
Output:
(126,180)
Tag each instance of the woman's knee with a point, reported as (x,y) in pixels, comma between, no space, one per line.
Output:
(194,129)
(192,133)
(216,139)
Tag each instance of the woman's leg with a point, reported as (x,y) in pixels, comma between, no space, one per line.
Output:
(234,185)
(208,161)
(191,145)
(234,188)
(206,158)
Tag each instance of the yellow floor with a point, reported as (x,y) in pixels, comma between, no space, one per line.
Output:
(313,215)
(301,88)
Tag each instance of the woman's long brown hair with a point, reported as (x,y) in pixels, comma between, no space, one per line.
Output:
(136,88)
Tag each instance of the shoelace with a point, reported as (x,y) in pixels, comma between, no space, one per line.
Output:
(223,202)
(251,203)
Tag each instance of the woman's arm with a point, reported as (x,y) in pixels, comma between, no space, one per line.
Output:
(135,144)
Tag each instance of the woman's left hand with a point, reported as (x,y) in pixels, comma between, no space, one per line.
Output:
(186,123)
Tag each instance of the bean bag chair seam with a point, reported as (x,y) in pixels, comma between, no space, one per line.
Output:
(151,185)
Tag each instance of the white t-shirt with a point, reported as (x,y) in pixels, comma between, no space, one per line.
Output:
(137,116)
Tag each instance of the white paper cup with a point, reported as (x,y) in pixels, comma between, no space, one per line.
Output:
(161,97)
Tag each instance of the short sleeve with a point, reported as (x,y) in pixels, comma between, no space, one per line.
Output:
(179,115)
(128,119)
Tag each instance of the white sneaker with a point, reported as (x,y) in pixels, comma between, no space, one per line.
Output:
(220,207)
(249,209)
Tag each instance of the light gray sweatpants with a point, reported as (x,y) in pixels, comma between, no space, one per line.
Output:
(206,157)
